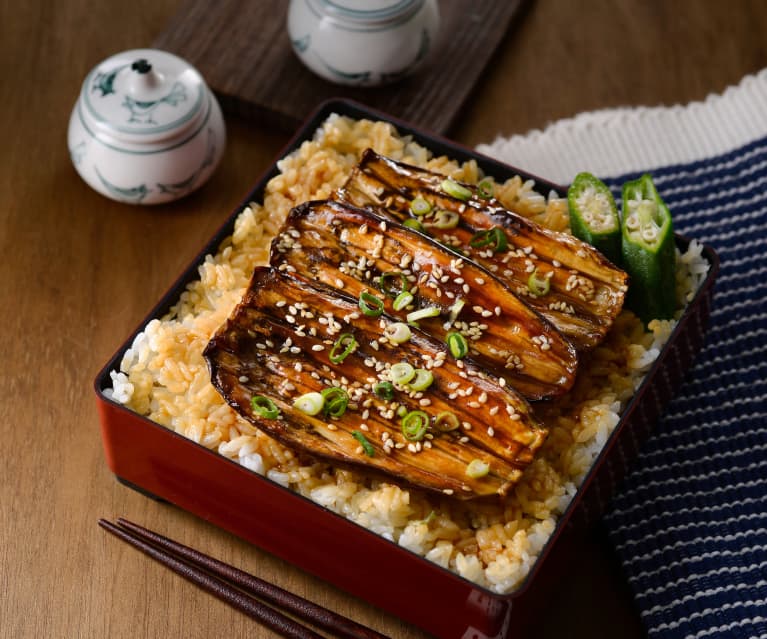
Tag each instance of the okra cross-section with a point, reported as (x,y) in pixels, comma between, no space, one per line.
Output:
(649,251)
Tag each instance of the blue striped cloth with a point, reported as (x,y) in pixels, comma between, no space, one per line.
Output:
(690,524)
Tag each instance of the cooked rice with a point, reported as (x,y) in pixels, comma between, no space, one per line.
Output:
(163,376)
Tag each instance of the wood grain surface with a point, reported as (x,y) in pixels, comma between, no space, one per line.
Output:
(247,59)
(79,272)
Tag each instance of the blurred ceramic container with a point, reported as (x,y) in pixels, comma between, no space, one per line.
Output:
(146,129)
(363,42)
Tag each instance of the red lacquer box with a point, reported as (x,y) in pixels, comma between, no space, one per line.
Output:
(165,465)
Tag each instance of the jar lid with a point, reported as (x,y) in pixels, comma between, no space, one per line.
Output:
(143,96)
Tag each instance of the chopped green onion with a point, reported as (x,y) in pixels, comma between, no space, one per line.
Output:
(422,313)
(414,425)
(420,206)
(446,422)
(458,191)
(402,373)
(336,401)
(366,445)
(309,403)
(444,219)
(401,411)
(398,333)
(486,188)
(402,300)
(455,309)
(422,380)
(345,344)
(370,305)
(385,285)
(476,468)
(264,407)
(384,390)
(457,345)
(414,224)
(494,238)
(538,285)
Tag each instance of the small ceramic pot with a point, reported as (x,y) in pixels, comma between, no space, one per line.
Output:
(363,42)
(146,129)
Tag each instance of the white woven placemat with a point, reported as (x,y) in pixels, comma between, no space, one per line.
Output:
(617,141)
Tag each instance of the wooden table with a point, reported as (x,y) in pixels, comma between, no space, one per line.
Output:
(78,272)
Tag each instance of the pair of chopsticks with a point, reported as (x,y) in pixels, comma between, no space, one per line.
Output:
(240,589)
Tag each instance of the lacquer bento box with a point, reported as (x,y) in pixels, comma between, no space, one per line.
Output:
(471,564)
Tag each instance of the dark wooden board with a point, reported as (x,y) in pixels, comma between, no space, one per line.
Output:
(243,51)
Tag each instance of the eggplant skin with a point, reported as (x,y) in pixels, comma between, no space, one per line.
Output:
(586,291)
(277,343)
(350,249)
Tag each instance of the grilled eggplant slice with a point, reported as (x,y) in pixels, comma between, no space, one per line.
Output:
(360,254)
(567,281)
(473,437)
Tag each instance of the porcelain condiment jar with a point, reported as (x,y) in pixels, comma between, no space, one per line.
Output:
(146,128)
(363,42)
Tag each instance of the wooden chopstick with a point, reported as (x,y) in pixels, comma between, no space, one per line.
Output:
(239,588)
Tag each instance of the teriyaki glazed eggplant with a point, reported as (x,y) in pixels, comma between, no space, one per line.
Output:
(387,267)
(564,279)
(406,327)
(314,371)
